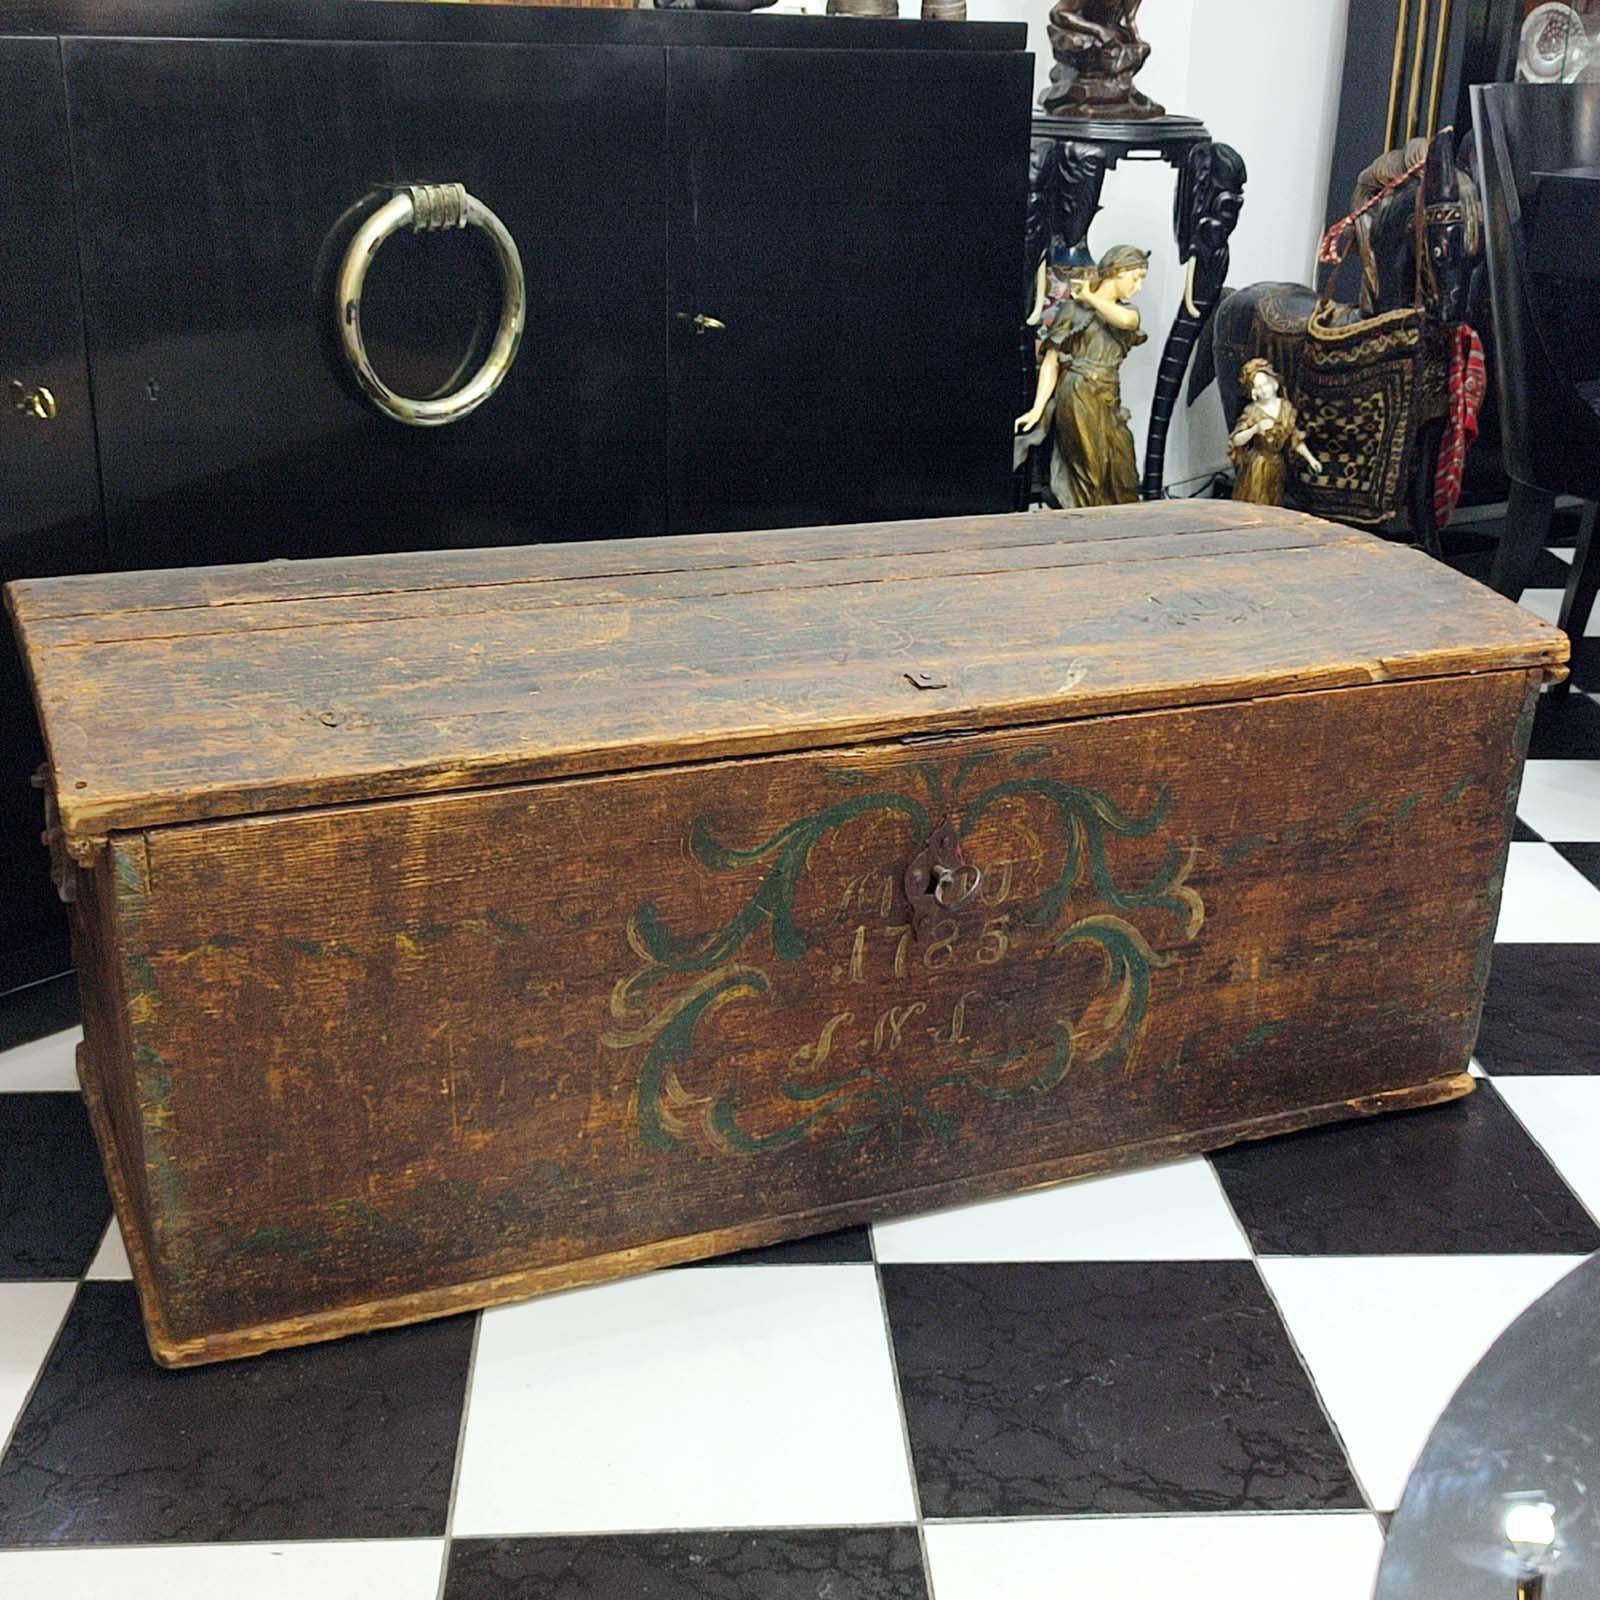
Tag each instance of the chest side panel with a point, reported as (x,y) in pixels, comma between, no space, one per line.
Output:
(438,1041)
(103,912)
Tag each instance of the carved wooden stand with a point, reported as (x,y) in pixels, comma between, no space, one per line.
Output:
(1068,166)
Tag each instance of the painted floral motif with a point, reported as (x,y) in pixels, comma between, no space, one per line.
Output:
(683,979)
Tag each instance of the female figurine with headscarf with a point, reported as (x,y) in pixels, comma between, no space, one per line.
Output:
(1267,430)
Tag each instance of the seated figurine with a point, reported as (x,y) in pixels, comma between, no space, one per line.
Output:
(1098,50)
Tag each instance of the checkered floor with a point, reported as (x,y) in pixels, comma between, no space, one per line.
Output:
(1145,1385)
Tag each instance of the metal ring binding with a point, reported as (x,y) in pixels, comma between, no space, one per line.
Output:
(437,205)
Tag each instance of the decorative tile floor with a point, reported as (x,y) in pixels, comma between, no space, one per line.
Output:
(1144,1385)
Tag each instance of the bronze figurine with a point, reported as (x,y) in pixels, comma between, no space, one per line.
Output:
(1267,431)
(1086,329)
(1098,50)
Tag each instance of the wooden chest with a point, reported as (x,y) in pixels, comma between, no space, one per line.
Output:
(455,927)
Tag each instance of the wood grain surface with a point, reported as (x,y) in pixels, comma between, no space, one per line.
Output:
(180,696)
(391,1059)
(458,926)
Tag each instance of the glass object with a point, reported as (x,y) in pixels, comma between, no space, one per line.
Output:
(1559,42)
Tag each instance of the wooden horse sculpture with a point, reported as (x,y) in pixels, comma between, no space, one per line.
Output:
(1371,380)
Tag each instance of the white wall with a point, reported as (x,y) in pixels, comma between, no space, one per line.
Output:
(1264,77)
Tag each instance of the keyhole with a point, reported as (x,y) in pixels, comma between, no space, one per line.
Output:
(35,402)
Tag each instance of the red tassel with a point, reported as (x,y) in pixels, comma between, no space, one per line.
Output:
(1468,382)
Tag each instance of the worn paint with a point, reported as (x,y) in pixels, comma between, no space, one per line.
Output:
(880,1089)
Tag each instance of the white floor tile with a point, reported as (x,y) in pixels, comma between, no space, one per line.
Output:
(707,1397)
(111,1259)
(1546,603)
(1547,900)
(1561,799)
(1171,1213)
(1327,1556)
(30,1314)
(1563,1115)
(47,1063)
(1388,1340)
(367,1569)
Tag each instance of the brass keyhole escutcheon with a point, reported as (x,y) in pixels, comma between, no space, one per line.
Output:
(35,402)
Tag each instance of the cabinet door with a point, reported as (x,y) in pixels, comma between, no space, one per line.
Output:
(49,496)
(855,220)
(216,181)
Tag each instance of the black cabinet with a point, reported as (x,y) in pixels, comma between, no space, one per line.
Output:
(843,217)
(854,220)
(219,182)
(839,202)
(49,496)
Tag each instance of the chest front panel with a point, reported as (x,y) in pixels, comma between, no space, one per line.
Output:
(383,1047)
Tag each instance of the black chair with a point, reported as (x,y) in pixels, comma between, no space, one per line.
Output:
(1539,160)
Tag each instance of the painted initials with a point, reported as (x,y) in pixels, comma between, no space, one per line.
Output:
(868,891)
(817,1052)
(958,1021)
(888,1028)
(995,887)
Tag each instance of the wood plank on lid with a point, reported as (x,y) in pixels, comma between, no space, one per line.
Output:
(326,698)
(463,603)
(98,593)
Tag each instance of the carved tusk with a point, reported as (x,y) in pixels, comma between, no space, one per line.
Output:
(1188,289)
(1040,282)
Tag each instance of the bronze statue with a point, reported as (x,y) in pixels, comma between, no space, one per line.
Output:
(1086,328)
(1268,429)
(1098,50)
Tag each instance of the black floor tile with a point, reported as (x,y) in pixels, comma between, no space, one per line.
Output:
(1542,1010)
(350,1440)
(1585,664)
(1523,834)
(1566,729)
(39,1009)
(1062,1387)
(820,1249)
(799,1564)
(1458,1178)
(1586,858)
(53,1201)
